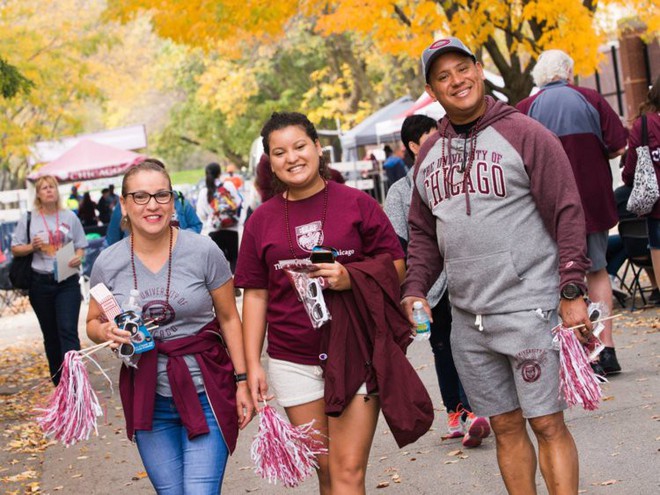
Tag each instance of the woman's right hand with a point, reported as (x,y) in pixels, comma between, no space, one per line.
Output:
(258,386)
(110,331)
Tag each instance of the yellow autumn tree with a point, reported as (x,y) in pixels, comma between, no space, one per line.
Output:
(236,33)
(47,47)
(70,71)
(508,34)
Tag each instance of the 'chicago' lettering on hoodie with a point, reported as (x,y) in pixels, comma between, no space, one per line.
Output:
(484,178)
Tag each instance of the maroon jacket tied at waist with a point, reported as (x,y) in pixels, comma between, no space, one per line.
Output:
(138,386)
(365,342)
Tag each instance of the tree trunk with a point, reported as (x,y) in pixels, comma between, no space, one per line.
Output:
(340,47)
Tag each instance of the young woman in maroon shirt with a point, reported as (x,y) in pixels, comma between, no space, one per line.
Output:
(307,211)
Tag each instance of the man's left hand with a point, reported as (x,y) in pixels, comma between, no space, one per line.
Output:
(573,313)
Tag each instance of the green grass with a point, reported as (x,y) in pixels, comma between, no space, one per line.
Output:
(191,176)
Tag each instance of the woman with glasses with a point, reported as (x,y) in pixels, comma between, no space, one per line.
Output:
(187,398)
(308,211)
(56,304)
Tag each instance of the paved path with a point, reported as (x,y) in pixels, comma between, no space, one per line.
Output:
(619,444)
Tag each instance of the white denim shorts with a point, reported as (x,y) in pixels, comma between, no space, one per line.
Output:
(296,384)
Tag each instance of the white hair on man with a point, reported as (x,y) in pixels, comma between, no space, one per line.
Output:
(552,65)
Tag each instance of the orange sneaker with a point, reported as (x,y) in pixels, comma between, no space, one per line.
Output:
(454,425)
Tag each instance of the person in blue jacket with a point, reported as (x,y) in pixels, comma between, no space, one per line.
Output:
(184,215)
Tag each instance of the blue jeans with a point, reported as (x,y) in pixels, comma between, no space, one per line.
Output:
(616,254)
(177,465)
(57,306)
(451,389)
(654,232)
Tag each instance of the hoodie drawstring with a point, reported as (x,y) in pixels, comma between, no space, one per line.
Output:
(466,174)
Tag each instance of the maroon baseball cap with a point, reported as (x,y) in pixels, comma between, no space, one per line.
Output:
(438,47)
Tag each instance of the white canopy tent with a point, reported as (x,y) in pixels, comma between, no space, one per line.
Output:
(365,132)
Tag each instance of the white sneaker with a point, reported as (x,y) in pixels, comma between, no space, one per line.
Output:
(617,291)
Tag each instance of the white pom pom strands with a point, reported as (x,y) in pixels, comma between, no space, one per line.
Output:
(72,410)
(578,383)
(283,452)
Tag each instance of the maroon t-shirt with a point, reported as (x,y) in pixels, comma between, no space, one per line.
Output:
(355,225)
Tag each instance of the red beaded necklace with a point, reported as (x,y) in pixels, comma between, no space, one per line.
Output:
(169,266)
(286,216)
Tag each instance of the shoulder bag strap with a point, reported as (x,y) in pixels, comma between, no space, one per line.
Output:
(645,132)
(29,218)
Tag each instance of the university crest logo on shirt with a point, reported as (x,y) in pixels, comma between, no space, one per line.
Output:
(161,312)
(309,235)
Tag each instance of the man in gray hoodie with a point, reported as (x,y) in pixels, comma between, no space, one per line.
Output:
(496,206)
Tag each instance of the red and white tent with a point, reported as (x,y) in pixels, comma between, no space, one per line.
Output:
(389,130)
(89,160)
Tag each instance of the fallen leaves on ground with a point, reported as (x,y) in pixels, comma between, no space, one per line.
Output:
(24,383)
(25,475)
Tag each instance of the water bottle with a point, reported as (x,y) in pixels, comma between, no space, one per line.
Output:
(422,322)
(133,303)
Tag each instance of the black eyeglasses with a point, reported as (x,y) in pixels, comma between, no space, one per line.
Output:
(142,197)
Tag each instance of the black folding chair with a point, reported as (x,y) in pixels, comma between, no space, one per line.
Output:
(635,238)
(8,295)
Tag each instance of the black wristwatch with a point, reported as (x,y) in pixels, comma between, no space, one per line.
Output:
(571,291)
(240,377)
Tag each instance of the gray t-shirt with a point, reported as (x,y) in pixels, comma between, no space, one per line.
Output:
(67,229)
(198,267)
(396,207)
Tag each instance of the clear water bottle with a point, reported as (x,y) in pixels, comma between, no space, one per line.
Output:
(133,303)
(422,322)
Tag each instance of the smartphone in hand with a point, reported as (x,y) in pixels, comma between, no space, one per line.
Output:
(322,256)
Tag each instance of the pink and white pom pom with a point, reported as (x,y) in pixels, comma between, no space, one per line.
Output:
(72,409)
(578,383)
(285,452)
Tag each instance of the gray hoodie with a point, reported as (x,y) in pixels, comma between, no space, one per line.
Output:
(510,230)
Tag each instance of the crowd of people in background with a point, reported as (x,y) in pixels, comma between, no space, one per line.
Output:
(92,213)
(496,220)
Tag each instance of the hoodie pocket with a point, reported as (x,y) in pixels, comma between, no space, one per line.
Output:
(482,284)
